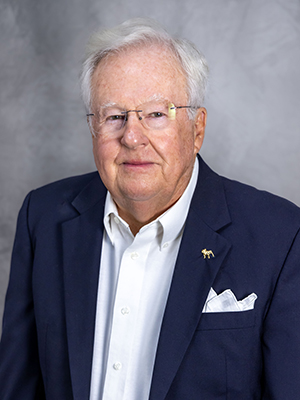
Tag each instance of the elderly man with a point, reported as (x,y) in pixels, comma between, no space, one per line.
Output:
(153,278)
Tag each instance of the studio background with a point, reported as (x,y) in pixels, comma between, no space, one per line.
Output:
(252,47)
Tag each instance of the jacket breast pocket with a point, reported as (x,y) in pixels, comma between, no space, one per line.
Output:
(226,320)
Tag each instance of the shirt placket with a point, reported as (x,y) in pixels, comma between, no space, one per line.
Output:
(125,313)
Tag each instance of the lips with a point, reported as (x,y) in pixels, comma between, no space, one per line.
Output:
(137,166)
(137,163)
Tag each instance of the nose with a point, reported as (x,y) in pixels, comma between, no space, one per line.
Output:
(134,134)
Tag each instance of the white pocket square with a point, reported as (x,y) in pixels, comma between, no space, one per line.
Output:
(226,301)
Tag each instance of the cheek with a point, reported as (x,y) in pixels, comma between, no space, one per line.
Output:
(104,155)
(97,153)
(178,148)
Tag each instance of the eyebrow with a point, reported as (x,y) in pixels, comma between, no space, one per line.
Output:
(156,96)
(110,104)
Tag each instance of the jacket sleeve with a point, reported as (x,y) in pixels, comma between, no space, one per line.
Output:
(20,374)
(281,338)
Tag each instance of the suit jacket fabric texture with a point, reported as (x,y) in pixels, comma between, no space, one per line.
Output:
(48,326)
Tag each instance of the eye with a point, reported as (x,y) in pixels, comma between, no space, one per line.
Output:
(116,117)
(156,114)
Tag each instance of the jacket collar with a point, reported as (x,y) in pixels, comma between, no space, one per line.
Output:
(209,202)
(93,193)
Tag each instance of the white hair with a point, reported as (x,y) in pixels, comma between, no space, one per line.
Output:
(141,31)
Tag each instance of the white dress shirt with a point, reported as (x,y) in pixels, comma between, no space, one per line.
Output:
(135,278)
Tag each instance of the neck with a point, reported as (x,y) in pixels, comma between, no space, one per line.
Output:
(139,214)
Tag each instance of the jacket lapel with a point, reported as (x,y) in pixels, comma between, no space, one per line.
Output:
(82,240)
(193,277)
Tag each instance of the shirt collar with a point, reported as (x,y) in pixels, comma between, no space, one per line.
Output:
(112,218)
(172,221)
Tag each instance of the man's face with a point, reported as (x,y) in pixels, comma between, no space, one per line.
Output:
(138,165)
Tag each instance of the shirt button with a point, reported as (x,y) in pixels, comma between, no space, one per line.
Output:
(117,366)
(125,310)
(134,255)
(116,219)
(165,245)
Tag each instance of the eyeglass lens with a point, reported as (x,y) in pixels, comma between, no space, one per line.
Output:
(154,115)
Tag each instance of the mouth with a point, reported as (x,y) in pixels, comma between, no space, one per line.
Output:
(137,162)
(137,165)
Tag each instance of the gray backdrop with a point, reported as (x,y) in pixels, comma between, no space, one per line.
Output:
(252,46)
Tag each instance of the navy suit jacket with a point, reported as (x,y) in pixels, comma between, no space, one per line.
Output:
(48,331)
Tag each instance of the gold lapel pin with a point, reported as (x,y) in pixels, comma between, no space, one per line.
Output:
(207,253)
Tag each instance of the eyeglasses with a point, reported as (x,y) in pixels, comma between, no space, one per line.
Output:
(154,115)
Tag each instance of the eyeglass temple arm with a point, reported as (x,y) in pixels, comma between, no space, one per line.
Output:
(185,107)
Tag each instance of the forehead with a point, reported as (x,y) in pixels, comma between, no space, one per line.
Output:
(137,75)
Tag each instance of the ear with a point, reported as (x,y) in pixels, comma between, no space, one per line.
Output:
(199,128)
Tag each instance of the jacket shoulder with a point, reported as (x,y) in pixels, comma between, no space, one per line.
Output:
(67,187)
(255,205)
(63,199)
(222,201)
